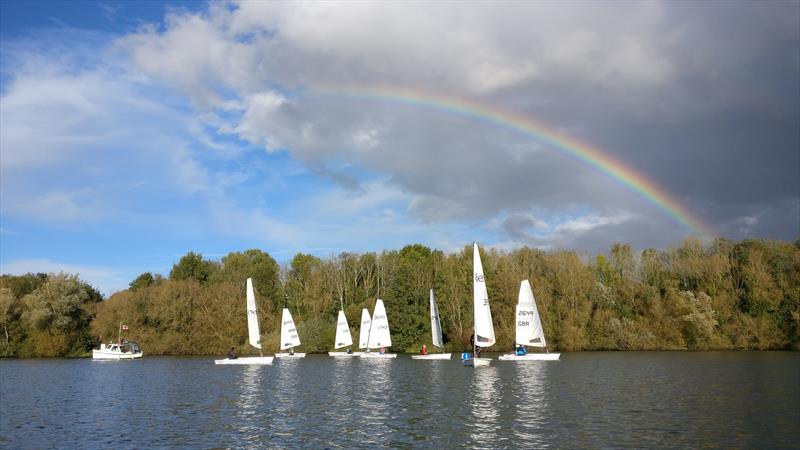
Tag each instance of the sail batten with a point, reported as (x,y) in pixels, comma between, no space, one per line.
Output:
(254,334)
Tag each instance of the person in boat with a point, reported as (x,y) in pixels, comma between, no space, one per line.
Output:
(232,353)
(521,351)
(349,351)
(383,350)
(476,350)
(291,351)
(424,350)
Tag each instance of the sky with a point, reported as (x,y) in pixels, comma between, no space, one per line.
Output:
(134,132)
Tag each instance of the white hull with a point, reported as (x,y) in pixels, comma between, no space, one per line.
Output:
(477,362)
(114,356)
(376,355)
(531,357)
(290,355)
(432,356)
(344,354)
(246,360)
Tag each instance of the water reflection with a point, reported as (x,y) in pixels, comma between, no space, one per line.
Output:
(484,399)
(531,404)
(340,401)
(372,400)
(249,427)
(288,386)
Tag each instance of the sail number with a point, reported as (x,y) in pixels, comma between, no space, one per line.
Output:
(479,278)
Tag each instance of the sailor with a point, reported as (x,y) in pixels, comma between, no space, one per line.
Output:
(231,353)
(424,350)
(521,350)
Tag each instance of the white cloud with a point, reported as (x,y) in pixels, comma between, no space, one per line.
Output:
(589,222)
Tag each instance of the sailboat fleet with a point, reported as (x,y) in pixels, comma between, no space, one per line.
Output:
(375,337)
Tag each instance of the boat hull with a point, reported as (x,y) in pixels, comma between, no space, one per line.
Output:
(257,360)
(290,355)
(344,354)
(531,357)
(114,356)
(477,362)
(432,356)
(376,355)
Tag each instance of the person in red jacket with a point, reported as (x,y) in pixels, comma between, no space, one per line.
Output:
(424,350)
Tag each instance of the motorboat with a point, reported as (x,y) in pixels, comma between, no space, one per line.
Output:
(126,350)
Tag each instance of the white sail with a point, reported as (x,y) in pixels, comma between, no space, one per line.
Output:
(379,330)
(343,338)
(529,324)
(289,337)
(363,335)
(252,317)
(436,326)
(484,330)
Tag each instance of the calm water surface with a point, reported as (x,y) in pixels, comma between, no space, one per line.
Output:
(595,400)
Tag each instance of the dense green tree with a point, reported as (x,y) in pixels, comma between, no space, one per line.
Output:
(236,267)
(142,281)
(717,295)
(407,299)
(191,266)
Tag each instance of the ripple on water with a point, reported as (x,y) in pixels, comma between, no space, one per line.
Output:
(585,400)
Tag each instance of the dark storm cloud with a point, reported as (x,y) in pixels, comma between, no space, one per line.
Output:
(701,98)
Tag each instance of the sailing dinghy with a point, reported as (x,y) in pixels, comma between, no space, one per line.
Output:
(289,337)
(379,337)
(481,315)
(529,330)
(363,333)
(343,337)
(254,334)
(436,334)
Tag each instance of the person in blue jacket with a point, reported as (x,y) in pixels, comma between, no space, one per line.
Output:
(521,351)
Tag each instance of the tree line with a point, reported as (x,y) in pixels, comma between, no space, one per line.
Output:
(695,296)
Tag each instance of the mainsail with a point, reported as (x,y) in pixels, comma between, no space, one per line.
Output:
(252,317)
(363,335)
(436,326)
(529,325)
(484,330)
(343,338)
(289,337)
(379,330)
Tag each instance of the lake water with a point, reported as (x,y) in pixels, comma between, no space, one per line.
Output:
(597,400)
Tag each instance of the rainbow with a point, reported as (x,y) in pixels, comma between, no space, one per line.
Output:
(569,145)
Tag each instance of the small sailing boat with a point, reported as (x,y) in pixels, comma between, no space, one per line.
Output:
(436,334)
(253,332)
(379,337)
(483,335)
(363,333)
(343,337)
(289,337)
(529,330)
